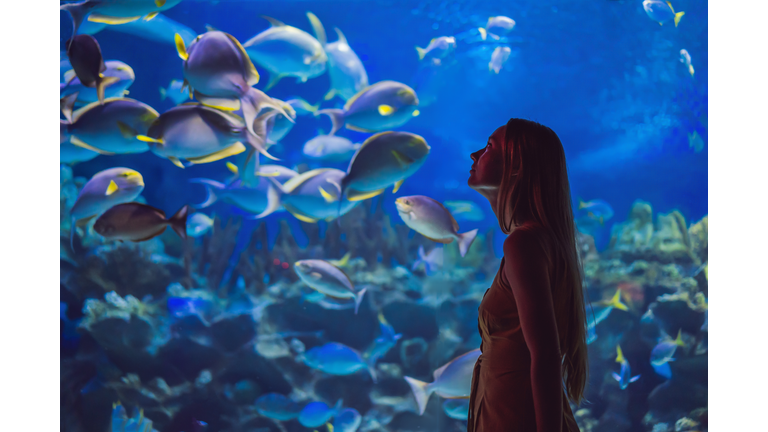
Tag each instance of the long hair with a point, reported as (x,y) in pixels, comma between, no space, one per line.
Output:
(535,183)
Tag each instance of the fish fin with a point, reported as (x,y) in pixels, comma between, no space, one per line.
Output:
(218,103)
(679,339)
(326,196)
(358,129)
(273,202)
(690,69)
(422,52)
(317,28)
(443,241)
(301,217)
(126,131)
(273,22)
(616,301)
(150,15)
(150,237)
(273,79)
(211,187)
(331,93)
(112,188)
(69,76)
(103,84)
(616,376)
(385,110)
(619,355)
(634,378)
(465,241)
(259,130)
(78,12)
(147,139)
(179,222)
(176,161)
(181,49)
(358,299)
(336,116)
(111,20)
(163,94)
(342,39)
(353,195)
(421,391)
(397,185)
(343,261)
(78,142)
(416,113)
(67,104)
(402,159)
(232,150)
(232,167)
(678,17)
(159,3)
(493,36)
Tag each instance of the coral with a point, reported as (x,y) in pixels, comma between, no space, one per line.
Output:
(698,235)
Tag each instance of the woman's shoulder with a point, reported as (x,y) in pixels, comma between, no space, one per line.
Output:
(527,237)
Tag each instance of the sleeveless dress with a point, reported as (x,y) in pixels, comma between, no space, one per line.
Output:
(501,399)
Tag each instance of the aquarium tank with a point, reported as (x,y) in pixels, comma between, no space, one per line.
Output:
(235,253)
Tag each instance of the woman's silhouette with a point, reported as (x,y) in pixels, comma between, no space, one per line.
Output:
(532,319)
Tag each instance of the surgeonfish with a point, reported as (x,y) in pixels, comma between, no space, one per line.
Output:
(105,189)
(381,106)
(159,29)
(277,407)
(432,220)
(662,11)
(115,11)
(329,280)
(138,222)
(384,160)
(88,65)
(198,224)
(664,351)
(108,128)
(338,359)
(431,261)
(313,195)
(452,380)
(279,125)
(438,48)
(253,199)
(382,344)
(201,134)
(499,56)
(604,308)
(175,92)
(457,409)
(597,210)
(347,420)
(685,58)
(345,69)
(330,148)
(286,51)
(315,414)
(86,95)
(496,26)
(624,377)
(465,210)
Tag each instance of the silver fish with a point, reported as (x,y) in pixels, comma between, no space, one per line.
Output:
(438,48)
(345,69)
(330,148)
(328,279)
(499,56)
(114,68)
(115,11)
(175,91)
(286,51)
(452,380)
(661,11)
(432,220)
(496,26)
(685,58)
(381,106)
(315,195)
(138,222)
(198,224)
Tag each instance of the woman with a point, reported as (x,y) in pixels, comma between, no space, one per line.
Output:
(532,319)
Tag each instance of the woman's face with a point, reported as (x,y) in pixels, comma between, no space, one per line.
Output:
(487,163)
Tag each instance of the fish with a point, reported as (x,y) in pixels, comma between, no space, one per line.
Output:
(499,56)
(346,420)
(329,280)
(685,58)
(457,409)
(279,125)
(314,195)
(108,128)
(286,51)
(345,69)
(86,95)
(432,220)
(378,107)
(71,154)
(316,413)
(695,142)
(201,134)
(624,376)
(175,92)
(663,370)
(664,351)
(121,422)
(453,380)
(431,261)
(597,210)
(139,222)
(604,308)
(661,11)
(383,160)
(158,29)
(105,189)
(253,199)
(327,302)
(277,407)
(217,67)
(115,11)
(496,26)
(337,359)
(591,334)
(465,210)
(330,148)
(438,48)
(88,65)
(198,224)
(382,344)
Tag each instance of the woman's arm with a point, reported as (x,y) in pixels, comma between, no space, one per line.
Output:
(526,271)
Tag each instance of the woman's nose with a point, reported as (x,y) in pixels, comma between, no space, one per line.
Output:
(475,155)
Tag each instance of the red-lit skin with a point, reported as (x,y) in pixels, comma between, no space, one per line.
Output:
(527,273)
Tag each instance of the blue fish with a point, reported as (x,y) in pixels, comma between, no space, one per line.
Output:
(663,370)
(175,92)
(431,261)
(277,407)
(457,409)
(465,210)
(338,359)
(603,309)
(383,343)
(597,210)
(624,377)
(664,350)
(348,420)
(71,83)
(317,414)
(137,423)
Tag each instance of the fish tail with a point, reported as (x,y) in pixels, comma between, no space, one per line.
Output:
(67,105)
(359,298)
(273,202)
(102,85)
(258,138)
(210,187)
(337,118)
(616,301)
(422,52)
(77,11)
(179,222)
(678,17)
(690,69)
(483,33)
(421,392)
(619,355)
(465,241)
